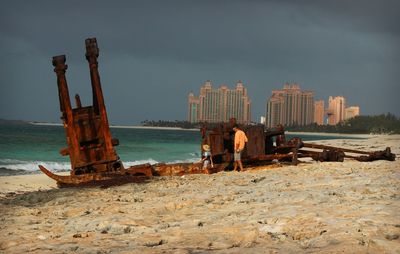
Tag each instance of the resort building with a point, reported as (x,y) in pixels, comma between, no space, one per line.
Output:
(351,112)
(290,106)
(219,105)
(336,109)
(194,108)
(319,112)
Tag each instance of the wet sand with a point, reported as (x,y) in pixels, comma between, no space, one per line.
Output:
(329,207)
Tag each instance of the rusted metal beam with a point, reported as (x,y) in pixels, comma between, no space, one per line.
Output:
(92,53)
(65,106)
(339,155)
(325,155)
(316,146)
(378,155)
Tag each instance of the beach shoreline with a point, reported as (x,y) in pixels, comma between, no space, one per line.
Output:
(327,134)
(151,127)
(314,207)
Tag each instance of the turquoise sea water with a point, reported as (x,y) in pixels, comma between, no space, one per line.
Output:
(24,147)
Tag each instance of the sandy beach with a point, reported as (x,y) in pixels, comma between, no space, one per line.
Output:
(329,207)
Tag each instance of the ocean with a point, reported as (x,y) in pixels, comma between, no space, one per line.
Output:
(24,146)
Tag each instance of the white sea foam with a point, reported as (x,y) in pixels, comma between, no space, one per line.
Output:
(138,162)
(33,165)
(152,162)
(191,160)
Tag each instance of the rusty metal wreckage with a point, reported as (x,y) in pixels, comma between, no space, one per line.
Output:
(94,160)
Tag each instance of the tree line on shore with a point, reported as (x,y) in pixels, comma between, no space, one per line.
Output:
(176,123)
(378,124)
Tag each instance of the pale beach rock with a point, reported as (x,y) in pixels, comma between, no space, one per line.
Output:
(41,237)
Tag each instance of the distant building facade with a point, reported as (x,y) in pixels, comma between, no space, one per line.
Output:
(319,112)
(219,105)
(336,109)
(290,106)
(352,111)
(194,108)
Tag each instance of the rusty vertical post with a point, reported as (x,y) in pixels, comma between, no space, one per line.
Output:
(65,103)
(295,160)
(92,52)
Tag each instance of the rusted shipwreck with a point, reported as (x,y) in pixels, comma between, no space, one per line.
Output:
(94,160)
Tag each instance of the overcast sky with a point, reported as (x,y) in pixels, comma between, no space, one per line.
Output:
(153,53)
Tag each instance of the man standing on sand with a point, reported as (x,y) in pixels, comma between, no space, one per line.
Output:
(239,143)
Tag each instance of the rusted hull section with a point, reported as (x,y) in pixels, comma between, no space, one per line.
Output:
(137,173)
(179,169)
(133,174)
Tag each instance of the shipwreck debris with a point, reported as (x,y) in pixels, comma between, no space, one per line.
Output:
(94,160)
(261,148)
(90,146)
(331,153)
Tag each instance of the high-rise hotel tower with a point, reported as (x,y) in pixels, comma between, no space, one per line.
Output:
(319,112)
(336,109)
(290,106)
(219,105)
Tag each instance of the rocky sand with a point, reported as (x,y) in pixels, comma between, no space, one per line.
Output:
(329,207)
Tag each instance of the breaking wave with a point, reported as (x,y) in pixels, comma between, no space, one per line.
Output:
(138,162)
(32,166)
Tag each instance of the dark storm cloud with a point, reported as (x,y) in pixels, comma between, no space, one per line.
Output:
(345,48)
(197,31)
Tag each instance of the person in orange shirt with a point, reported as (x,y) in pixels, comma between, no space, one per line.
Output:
(239,144)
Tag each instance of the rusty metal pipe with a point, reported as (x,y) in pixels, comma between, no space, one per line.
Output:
(307,153)
(65,103)
(92,52)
